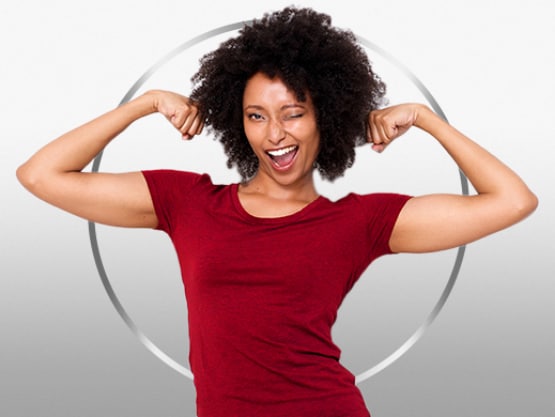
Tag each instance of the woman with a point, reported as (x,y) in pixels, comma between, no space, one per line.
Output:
(267,262)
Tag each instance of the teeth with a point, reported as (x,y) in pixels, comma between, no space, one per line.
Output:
(282,151)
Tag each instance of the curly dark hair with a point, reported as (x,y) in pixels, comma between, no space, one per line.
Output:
(309,55)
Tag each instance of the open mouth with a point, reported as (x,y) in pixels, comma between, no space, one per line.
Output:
(283,158)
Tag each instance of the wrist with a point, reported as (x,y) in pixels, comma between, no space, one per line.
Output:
(144,104)
(426,119)
(151,99)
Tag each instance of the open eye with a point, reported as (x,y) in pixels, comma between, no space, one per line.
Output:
(254,116)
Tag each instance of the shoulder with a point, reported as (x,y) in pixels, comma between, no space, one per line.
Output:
(173,175)
(178,194)
(167,179)
(370,209)
(374,201)
(375,210)
(177,188)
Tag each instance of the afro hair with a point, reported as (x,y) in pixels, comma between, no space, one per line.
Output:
(310,56)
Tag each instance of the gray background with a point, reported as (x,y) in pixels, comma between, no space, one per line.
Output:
(64,350)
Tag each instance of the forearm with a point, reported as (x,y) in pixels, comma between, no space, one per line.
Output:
(488,175)
(55,175)
(442,221)
(75,149)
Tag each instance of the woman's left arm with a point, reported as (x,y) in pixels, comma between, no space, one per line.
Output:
(442,221)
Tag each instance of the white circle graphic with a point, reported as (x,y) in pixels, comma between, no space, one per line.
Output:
(152,347)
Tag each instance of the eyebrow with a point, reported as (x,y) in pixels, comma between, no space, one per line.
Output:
(284,107)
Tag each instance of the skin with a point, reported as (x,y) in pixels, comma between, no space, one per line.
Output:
(441,221)
(273,119)
(55,175)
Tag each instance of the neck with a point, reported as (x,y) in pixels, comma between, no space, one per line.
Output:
(302,190)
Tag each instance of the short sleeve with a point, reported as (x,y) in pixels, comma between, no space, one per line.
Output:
(171,192)
(381,211)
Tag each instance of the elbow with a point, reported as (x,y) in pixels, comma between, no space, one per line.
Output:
(23,175)
(525,205)
(533,203)
(28,177)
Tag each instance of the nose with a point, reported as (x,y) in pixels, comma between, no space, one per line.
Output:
(276,132)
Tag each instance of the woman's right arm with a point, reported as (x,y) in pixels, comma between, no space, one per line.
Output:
(55,175)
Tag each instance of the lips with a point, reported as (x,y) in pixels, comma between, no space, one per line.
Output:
(283,158)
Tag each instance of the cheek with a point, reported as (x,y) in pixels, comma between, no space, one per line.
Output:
(315,141)
(249,131)
(308,131)
(253,137)
(313,135)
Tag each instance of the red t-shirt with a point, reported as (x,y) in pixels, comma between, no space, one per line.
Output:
(263,294)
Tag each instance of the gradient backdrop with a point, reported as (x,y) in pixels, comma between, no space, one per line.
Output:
(64,349)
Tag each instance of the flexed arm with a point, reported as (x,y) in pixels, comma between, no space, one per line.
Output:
(441,221)
(54,172)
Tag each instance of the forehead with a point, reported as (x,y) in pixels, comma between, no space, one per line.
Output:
(261,89)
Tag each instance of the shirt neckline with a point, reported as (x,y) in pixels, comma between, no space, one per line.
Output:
(234,190)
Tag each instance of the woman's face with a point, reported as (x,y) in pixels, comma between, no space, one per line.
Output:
(281,130)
